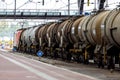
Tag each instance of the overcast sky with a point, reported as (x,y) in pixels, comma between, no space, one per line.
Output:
(49,4)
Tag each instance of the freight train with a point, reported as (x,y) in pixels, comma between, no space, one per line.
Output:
(92,38)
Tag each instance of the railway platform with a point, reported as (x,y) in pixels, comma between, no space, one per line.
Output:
(15,67)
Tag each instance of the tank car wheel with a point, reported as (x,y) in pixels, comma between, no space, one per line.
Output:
(69,56)
(55,54)
(76,57)
(62,53)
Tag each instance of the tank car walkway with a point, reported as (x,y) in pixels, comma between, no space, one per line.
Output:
(15,67)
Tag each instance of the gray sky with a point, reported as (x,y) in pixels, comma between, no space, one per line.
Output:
(49,4)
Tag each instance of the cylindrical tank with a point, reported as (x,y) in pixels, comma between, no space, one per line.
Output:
(17,36)
(56,32)
(60,32)
(27,36)
(22,38)
(33,36)
(73,30)
(112,27)
(42,34)
(51,33)
(95,29)
(82,29)
(67,29)
(91,28)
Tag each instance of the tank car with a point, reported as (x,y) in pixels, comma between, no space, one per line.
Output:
(111,27)
(29,41)
(67,37)
(64,44)
(22,41)
(76,49)
(16,39)
(26,39)
(34,39)
(90,33)
(52,43)
(43,43)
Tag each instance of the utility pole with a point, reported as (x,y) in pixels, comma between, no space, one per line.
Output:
(101,4)
(15,8)
(43,2)
(68,7)
(80,6)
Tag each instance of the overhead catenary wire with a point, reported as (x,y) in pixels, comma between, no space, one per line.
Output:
(23,4)
(67,5)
